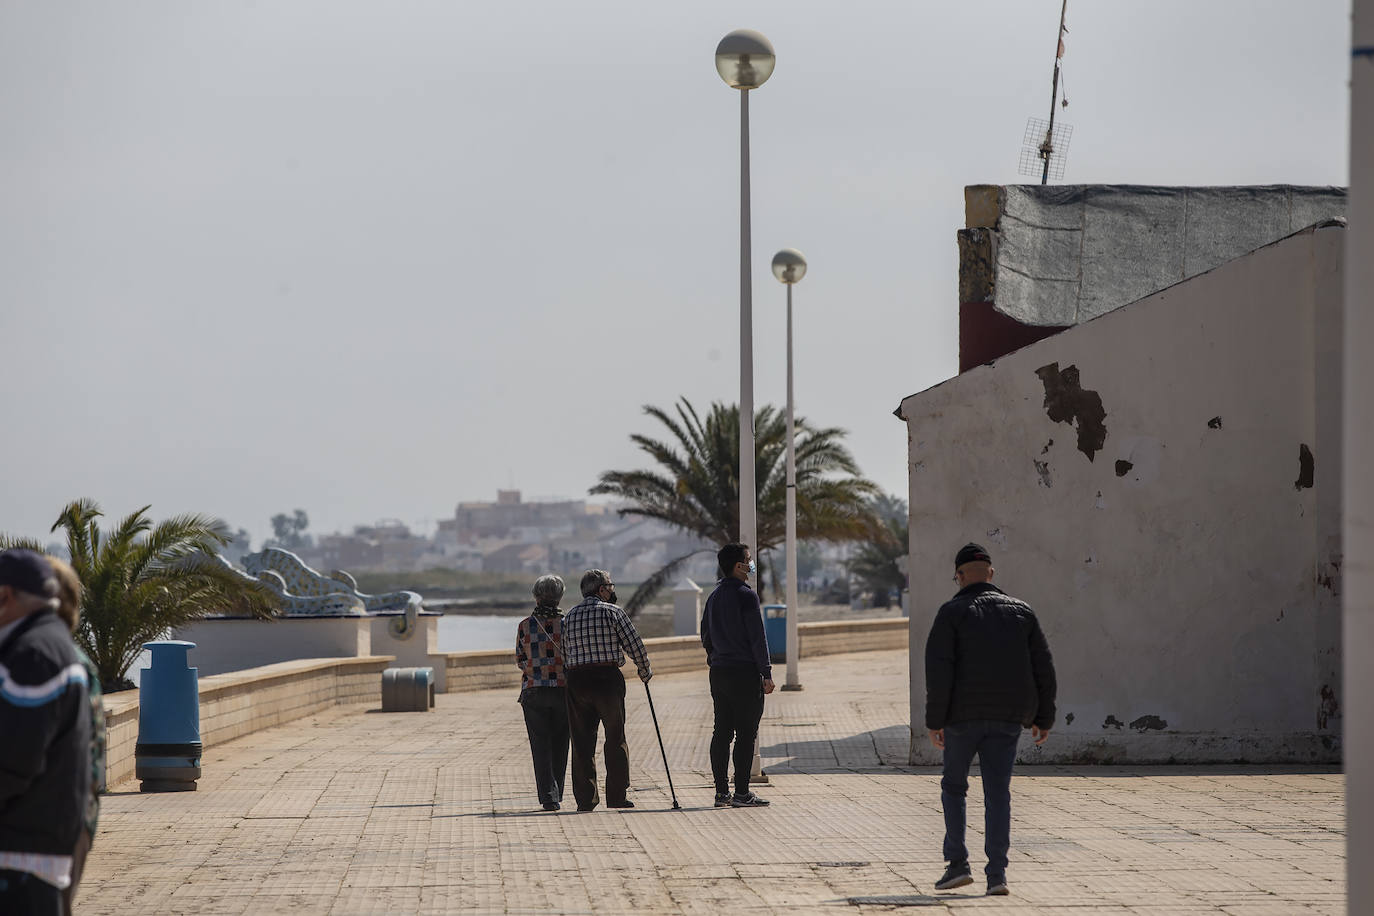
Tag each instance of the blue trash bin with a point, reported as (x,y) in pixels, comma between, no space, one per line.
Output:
(775,631)
(167,755)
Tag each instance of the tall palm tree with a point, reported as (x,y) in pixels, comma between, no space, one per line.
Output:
(143,579)
(696,486)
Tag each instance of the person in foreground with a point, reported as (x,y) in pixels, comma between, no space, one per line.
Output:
(543,689)
(596,636)
(45,739)
(988,675)
(737,653)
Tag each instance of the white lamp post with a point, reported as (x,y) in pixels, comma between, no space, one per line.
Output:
(745,59)
(789,267)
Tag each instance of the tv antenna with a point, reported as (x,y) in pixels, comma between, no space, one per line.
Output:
(1046,144)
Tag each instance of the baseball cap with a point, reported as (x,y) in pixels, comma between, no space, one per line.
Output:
(27,571)
(970,553)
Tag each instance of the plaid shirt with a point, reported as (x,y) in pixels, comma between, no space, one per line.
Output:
(597,633)
(539,650)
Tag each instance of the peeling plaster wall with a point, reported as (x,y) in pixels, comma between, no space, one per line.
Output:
(1184,563)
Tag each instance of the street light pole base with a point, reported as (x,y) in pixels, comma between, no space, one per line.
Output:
(758,779)
(793,687)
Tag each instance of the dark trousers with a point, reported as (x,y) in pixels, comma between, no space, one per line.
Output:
(596,696)
(546,722)
(995,745)
(737,694)
(21,892)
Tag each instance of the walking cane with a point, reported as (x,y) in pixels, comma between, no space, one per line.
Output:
(676,806)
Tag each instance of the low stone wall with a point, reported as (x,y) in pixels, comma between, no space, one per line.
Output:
(241,702)
(839,637)
(496,669)
(121,734)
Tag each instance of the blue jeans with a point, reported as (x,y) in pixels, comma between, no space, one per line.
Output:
(995,745)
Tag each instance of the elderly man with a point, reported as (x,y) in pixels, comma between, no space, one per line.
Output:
(596,636)
(989,674)
(45,770)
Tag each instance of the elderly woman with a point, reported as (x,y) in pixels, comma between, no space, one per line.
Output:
(543,690)
(69,597)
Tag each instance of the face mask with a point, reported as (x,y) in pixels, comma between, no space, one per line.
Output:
(611,598)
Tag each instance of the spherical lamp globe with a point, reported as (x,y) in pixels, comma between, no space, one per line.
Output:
(745,59)
(789,266)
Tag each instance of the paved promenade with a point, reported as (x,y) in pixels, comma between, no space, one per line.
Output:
(355,811)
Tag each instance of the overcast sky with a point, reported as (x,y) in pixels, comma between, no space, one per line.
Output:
(369,259)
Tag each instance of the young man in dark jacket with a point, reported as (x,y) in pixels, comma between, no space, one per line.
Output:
(45,769)
(988,675)
(737,653)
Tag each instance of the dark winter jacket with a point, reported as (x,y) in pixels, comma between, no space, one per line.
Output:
(986,658)
(45,738)
(732,628)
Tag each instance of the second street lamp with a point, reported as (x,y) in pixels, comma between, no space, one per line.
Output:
(789,267)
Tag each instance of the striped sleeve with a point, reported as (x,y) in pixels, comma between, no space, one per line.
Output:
(30,695)
(30,719)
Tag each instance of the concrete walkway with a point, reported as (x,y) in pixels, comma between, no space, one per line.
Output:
(355,811)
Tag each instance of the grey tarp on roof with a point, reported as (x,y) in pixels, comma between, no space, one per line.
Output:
(1069,253)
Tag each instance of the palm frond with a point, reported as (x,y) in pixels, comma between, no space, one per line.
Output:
(143,579)
(8,542)
(654,584)
(695,482)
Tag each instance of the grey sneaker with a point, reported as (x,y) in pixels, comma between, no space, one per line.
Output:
(957,875)
(722,799)
(997,886)
(748,800)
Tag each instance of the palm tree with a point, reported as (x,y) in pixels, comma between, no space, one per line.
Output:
(696,487)
(143,579)
(875,564)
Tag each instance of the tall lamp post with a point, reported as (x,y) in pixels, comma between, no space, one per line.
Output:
(745,59)
(789,267)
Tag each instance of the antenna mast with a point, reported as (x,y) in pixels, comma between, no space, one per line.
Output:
(1047,148)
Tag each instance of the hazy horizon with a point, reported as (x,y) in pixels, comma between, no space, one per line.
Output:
(372,260)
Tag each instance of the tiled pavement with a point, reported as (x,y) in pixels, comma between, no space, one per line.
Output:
(355,811)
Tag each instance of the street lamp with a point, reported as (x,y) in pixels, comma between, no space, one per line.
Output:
(789,267)
(745,59)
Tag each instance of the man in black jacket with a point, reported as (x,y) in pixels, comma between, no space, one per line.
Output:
(45,768)
(737,653)
(988,675)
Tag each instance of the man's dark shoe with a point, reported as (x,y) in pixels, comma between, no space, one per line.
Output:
(551,806)
(722,799)
(747,800)
(997,886)
(957,875)
(620,804)
(586,807)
